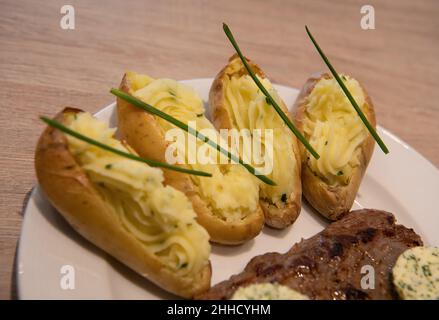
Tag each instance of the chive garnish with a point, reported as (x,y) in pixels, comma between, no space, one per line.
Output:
(152,110)
(269,98)
(348,95)
(152,163)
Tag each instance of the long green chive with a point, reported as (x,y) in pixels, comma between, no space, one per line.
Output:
(348,95)
(269,98)
(150,109)
(152,163)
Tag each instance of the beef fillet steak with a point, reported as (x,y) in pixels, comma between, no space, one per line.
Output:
(331,264)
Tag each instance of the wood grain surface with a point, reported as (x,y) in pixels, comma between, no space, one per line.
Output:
(46,68)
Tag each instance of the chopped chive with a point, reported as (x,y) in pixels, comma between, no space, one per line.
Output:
(348,95)
(200,115)
(340,173)
(152,163)
(426,270)
(270,100)
(152,110)
(108,166)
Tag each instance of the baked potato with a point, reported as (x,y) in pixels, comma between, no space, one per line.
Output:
(235,102)
(226,203)
(121,205)
(333,128)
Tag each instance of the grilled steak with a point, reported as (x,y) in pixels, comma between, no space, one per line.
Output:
(329,265)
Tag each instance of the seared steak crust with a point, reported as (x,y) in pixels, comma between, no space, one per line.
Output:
(329,264)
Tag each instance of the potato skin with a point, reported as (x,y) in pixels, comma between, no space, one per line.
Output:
(71,192)
(275,217)
(332,201)
(142,132)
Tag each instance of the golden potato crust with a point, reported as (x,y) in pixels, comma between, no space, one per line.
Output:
(142,132)
(275,217)
(71,192)
(332,201)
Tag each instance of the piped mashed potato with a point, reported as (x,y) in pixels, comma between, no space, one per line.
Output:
(267,291)
(248,108)
(231,193)
(416,274)
(334,129)
(160,217)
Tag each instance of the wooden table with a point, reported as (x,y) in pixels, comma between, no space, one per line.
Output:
(46,68)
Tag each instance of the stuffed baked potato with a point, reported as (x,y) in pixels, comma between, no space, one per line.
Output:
(235,102)
(333,128)
(226,203)
(121,205)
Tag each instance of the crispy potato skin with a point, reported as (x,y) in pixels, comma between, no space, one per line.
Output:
(71,192)
(275,217)
(332,201)
(143,133)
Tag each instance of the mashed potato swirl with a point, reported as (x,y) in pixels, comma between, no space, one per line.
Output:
(231,193)
(160,217)
(248,109)
(334,129)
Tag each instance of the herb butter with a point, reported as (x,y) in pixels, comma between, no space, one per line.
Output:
(267,291)
(416,274)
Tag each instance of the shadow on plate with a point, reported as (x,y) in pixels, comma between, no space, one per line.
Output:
(314,214)
(230,251)
(59,223)
(139,281)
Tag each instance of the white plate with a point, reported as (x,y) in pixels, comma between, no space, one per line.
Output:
(402,182)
